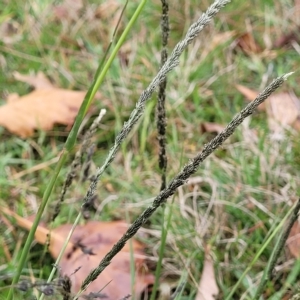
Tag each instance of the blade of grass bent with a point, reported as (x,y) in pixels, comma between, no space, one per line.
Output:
(71,140)
(99,79)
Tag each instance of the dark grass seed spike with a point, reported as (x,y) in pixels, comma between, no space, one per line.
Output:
(168,66)
(161,109)
(181,178)
(87,164)
(77,162)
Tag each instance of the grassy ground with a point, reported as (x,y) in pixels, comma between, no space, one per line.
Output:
(237,195)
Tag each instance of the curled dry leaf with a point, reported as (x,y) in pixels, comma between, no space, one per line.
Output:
(88,245)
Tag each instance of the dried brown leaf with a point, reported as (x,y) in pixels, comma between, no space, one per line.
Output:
(248,44)
(10,31)
(208,287)
(248,93)
(218,39)
(284,108)
(39,81)
(297,7)
(40,109)
(293,242)
(107,9)
(88,245)
(69,10)
(212,127)
(288,39)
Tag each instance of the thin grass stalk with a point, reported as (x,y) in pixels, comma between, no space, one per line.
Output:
(259,253)
(181,178)
(180,288)
(163,240)
(132,262)
(70,143)
(169,65)
(161,108)
(35,224)
(77,162)
(291,281)
(101,75)
(276,252)
(50,278)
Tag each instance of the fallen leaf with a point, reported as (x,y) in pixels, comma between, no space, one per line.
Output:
(88,245)
(283,109)
(39,81)
(208,288)
(107,9)
(297,8)
(250,95)
(10,31)
(217,39)
(40,109)
(108,12)
(212,127)
(69,10)
(293,241)
(288,39)
(291,36)
(248,44)
(296,125)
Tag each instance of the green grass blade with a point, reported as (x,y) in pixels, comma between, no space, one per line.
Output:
(274,233)
(35,224)
(71,140)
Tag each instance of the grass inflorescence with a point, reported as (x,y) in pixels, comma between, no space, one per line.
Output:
(232,203)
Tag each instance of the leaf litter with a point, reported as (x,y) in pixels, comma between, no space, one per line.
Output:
(208,288)
(293,241)
(40,109)
(88,245)
(283,109)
